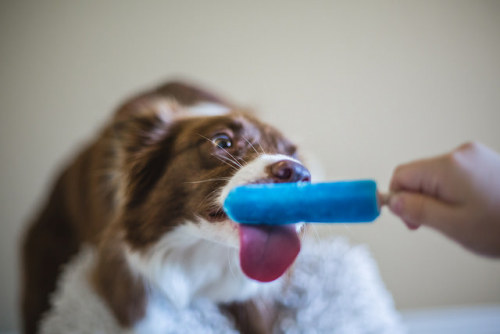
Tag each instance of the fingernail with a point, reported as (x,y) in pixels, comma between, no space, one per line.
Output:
(396,204)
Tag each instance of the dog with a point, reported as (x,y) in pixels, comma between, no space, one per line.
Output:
(134,229)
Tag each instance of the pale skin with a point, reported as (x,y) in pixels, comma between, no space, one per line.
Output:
(457,193)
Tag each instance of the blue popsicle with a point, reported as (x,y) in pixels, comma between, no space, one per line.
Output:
(286,203)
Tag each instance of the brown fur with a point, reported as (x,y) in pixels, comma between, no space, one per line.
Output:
(254,316)
(123,292)
(128,188)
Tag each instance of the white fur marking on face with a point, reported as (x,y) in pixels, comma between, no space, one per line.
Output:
(207,109)
(253,171)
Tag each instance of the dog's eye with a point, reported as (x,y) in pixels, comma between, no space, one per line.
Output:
(222,141)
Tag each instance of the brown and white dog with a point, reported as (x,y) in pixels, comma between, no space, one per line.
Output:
(147,195)
(133,238)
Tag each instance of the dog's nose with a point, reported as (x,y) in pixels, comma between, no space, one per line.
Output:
(288,171)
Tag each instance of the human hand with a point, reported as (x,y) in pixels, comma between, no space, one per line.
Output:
(457,193)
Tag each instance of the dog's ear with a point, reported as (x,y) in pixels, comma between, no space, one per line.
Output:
(144,119)
(141,135)
(161,99)
(144,128)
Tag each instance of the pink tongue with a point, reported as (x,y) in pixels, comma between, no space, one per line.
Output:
(266,252)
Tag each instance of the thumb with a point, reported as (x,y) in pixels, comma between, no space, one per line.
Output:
(416,209)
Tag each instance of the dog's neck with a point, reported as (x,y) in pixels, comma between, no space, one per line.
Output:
(184,266)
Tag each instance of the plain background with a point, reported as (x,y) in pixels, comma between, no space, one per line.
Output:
(362,86)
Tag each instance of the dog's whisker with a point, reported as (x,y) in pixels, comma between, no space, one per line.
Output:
(261,148)
(226,162)
(210,180)
(238,164)
(251,145)
(233,158)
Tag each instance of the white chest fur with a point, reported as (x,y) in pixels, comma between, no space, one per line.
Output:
(329,279)
(187,264)
(77,309)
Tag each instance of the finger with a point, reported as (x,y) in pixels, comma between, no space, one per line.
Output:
(416,209)
(424,176)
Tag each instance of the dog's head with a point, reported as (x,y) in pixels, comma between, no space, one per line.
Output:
(181,150)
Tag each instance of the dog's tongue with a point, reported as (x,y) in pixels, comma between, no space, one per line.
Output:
(266,252)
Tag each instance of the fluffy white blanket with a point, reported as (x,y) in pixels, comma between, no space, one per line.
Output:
(335,288)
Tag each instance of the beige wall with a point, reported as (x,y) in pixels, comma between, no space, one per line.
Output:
(362,87)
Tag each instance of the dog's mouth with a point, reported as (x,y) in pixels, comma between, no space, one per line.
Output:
(217,215)
(266,251)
